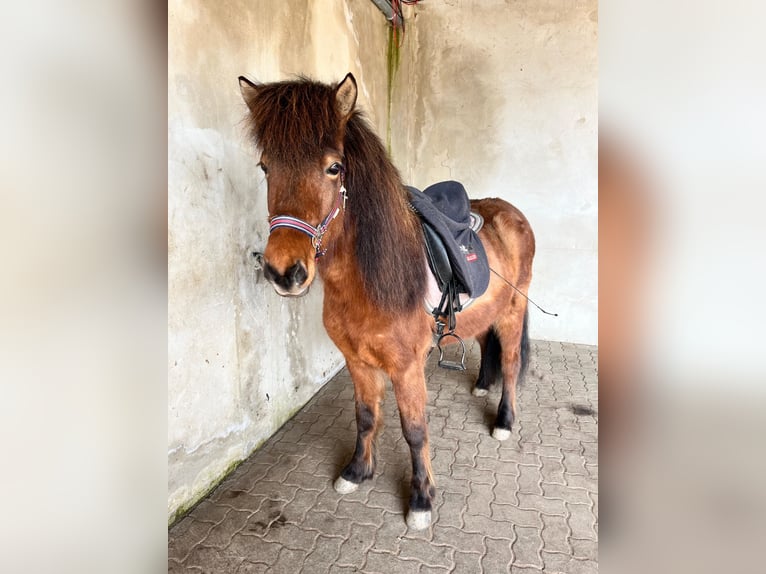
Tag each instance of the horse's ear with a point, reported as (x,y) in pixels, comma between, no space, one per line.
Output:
(249,90)
(345,95)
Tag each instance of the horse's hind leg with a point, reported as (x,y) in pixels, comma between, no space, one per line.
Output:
(512,333)
(490,367)
(411,395)
(369,387)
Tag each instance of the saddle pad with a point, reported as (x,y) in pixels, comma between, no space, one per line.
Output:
(446,207)
(434,294)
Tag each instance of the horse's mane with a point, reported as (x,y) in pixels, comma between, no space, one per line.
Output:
(295,122)
(389,247)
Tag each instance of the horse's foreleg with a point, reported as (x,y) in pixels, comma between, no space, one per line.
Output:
(411,395)
(369,387)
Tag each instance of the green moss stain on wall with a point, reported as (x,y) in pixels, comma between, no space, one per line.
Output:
(393,54)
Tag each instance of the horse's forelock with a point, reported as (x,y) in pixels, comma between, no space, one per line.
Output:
(295,122)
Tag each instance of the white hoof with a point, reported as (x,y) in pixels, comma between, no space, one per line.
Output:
(419,519)
(500,434)
(477,392)
(343,486)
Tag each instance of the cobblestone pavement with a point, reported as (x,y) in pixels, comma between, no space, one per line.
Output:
(529,504)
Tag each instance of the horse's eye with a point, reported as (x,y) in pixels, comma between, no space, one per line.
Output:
(263,167)
(334,169)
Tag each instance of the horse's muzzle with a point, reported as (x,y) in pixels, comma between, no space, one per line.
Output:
(291,283)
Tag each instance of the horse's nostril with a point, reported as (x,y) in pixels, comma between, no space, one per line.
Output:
(298,274)
(270,273)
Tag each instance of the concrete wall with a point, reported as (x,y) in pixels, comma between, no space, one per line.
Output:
(241,359)
(503,97)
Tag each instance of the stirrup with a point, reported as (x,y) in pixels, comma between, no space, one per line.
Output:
(451,365)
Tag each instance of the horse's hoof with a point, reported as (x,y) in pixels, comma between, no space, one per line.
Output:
(343,486)
(501,434)
(477,392)
(419,519)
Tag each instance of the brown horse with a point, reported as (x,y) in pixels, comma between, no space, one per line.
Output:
(370,255)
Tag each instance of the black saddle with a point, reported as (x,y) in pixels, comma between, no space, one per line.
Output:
(454,251)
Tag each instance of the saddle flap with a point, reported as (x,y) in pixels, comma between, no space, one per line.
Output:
(438,259)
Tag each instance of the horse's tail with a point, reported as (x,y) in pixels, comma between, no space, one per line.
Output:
(524,347)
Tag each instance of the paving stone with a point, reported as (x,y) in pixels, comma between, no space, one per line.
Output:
(441,461)
(290,536)
(252,549)
(454,485)
(354,548)
(528,504)
(553,470)
(451,510)
(220,535)
(581,481)
(574,463)
(305,481)
(527,547)
(426,569)
(194,532)
(335,569)
(242,500)
(466,563)
(383,563)
(480,498)
(458,538)
(389,535)
(425,552)
(208,511)
(210,559)
(472,474)
(289,562)
(555,534)
(582,522)
(497,557)
(295,510)
(516,515)
(359,512)
(584,549)
(555,562)
(541,504)
(566,493)
(175,567)
(543,449)
(529,480)
(323,556)
(484,525)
